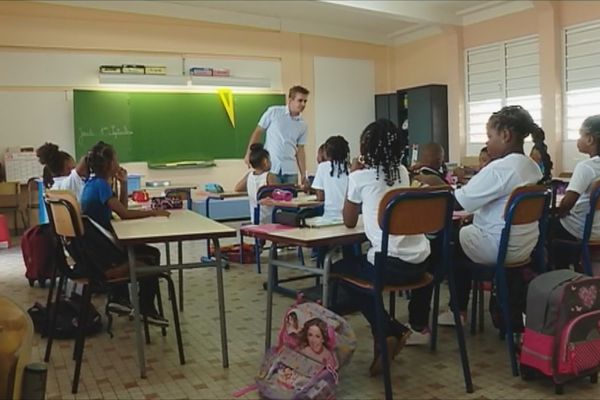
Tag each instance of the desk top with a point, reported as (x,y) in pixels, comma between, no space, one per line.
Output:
(180,225)
(221,196)
(307,237)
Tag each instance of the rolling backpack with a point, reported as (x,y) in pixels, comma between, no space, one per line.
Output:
(562,332)
(312,345)
(36,246)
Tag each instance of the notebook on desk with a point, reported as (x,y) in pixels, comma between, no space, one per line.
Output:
(317,222)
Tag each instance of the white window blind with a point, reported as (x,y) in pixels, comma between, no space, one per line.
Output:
(505,73)
(582,75)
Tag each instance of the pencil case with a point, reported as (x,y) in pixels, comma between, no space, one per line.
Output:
(166,203)
(282,195)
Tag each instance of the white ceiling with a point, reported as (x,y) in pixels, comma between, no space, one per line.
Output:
(379,22)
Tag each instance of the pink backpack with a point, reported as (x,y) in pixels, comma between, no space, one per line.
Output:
(562,333)
(313,343)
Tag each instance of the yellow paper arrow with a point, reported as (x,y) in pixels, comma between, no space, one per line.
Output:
(226,96)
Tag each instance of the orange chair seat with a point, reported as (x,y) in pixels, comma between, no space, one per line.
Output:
(424,281)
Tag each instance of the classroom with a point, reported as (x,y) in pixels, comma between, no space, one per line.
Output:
(226,237)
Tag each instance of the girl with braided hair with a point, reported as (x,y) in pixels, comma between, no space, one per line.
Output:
(331,178)
(539,154)
(486,195)
(575,206)
(60,171)
(98,202)
(377,170)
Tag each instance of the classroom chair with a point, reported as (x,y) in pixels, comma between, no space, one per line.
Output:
(412,211)
(184,194)
(16,336)
(67,222)
(526,205)
(262,193)
(9,202)
(582,247)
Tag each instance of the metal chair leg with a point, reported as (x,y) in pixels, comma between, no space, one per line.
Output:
(475,285)
(503,300)
(160,310)
(381,339)
(80,341)
(176,319)
(436,310)
(53,310)
(180,259)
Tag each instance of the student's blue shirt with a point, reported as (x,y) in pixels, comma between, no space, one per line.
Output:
(94,201)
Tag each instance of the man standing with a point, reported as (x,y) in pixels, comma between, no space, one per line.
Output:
(285,137)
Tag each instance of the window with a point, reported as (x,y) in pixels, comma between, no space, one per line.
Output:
(505,73)
(582,75)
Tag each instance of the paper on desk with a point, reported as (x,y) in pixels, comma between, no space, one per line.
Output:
(323,221)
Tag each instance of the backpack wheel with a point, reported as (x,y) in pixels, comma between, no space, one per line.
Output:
(31,282)
(527,373)
(42,283)
(594,377)
(559,388)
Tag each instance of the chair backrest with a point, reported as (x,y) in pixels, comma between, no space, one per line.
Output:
(16,336)
(594,205)
(411,211)
(65,213)
(526,204)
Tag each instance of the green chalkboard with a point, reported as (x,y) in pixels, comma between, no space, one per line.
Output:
(167,127)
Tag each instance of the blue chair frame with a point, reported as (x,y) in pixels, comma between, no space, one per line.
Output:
(423,196)
(583,245)
(482,272)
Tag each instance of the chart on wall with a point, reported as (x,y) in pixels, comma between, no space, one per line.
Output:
(161,127)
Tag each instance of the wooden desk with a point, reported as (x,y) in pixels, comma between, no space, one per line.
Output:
(305,237)
(181,225)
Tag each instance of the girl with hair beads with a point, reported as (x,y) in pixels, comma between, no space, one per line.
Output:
(98,202)
(539,154)
(377,170)
(256,178)
(60,171)
(575,206)
(486,195)
(331,178)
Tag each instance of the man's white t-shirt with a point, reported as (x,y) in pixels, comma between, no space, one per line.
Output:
(72,182)
(335,188)
(585,173)
(284,134)
(365,188)
(253,183)
(486,196)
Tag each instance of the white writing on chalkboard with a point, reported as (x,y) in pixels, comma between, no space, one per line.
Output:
(112,130)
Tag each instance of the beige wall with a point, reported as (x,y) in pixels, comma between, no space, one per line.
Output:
(440,59)
(43,26)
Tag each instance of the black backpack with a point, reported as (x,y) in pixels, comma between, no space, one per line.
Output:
(67,320)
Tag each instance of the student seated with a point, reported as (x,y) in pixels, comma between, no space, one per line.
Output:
(575,206)
(331,178)
(98,202)
(60,171)
(430,169)
(486,195)
(377,170)
(322,153)
(258,177)
(539,154)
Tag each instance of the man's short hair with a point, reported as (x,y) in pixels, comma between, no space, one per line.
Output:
(298,89)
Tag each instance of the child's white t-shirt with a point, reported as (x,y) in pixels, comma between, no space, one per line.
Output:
(585,172)
(335,188)
(253,183)
(486,196)
(72,182)
(365,188)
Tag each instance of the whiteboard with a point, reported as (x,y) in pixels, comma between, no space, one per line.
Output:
(344,98)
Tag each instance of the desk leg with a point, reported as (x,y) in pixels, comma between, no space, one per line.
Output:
(207,214)
(136,312)
(270,285)
(221,295)
(326,268)
(180,260)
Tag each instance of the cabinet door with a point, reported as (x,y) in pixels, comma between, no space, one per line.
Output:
(419,116)
(393,107)
(382,107)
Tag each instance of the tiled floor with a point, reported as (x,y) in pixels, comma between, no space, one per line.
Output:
(110,370)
